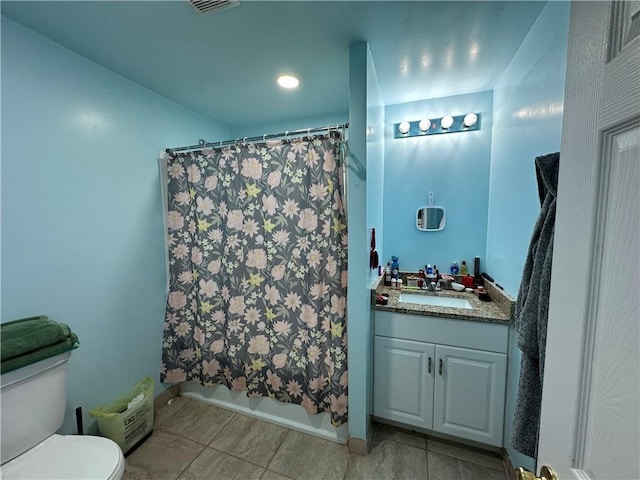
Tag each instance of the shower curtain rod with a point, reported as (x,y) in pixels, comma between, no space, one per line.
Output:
(203,144)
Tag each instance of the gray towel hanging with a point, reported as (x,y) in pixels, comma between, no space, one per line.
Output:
(532,310)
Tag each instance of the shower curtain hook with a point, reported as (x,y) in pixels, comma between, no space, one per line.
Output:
(286,135)
(264,137)
(244,141)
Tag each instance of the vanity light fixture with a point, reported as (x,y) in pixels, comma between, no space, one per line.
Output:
(470,119)
(424,125)
(434,126)
(446,122)
(288,81)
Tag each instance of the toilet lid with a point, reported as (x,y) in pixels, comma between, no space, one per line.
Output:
(68,457)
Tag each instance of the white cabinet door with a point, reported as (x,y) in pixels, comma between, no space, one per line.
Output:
(469,394)
(403,375)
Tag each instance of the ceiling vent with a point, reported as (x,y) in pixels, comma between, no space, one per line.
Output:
(207,7)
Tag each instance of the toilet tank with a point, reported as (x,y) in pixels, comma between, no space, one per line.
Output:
(32,404)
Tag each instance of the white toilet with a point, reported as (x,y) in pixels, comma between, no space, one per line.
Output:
(32,404)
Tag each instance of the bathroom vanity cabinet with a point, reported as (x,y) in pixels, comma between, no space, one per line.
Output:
(441,374)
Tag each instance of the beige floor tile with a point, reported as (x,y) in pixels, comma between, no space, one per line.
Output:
(304,457)
(163,413)
(478,457)
(388,460)
(388,432)
(442,467)
(269,475)
(215,465)
(162,456)
(197,421)
(250,439)
(472,471)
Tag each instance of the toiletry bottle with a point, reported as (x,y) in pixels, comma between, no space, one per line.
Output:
(395,267)
(477,277)
(429,269)
(387,276)
(463,268)
(454,268)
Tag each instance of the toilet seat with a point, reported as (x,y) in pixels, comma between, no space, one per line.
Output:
(81,457)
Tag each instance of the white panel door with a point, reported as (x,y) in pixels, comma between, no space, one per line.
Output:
(403,373)
(590,421)
(469,394)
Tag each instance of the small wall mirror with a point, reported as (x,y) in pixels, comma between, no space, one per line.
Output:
(430,219)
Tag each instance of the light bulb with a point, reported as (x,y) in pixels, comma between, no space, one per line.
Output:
(288,81)
(424,125)
(470,119)
(446,122)
(404,127)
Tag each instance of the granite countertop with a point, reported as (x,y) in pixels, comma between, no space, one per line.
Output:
(498,310)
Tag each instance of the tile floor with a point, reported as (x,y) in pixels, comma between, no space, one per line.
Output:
(193,440)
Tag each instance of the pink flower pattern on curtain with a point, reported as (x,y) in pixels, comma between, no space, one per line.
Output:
(258,272)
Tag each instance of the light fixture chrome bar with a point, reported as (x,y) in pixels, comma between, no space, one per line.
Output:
(295,133)
(436,126)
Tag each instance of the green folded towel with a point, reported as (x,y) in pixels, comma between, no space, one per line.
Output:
(32,339)
(69,343)
(20,337)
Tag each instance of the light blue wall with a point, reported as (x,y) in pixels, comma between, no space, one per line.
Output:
(82,227)
(375,185)
(375,157)
(455,167)
(358,296)
(527,123)
(289,125)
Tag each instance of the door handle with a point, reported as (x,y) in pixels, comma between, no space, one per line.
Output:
(546,473)
(440,367)
(429,367)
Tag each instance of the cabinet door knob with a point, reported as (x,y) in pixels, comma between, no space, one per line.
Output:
(440,367)
(429,368)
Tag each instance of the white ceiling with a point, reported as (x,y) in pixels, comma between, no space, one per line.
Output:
(224,65)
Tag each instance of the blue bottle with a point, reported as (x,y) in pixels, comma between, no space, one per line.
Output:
(454,268)
(395,267)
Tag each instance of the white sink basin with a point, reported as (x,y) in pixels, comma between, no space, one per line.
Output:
(434,300)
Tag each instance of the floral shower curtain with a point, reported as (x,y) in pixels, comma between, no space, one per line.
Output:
(258,272)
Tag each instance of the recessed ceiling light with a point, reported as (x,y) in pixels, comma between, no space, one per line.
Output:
(288,81)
